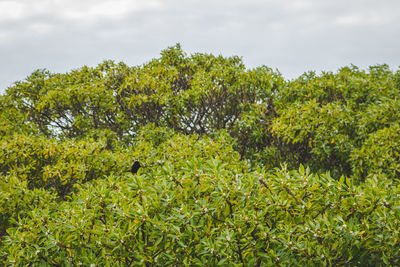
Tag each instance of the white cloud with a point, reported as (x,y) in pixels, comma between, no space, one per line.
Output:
(41,28)
(11,10)
(299,4)
(89,10)
(360,20)
(291,35)
(111,9)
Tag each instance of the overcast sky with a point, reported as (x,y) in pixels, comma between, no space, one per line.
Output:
(292,36)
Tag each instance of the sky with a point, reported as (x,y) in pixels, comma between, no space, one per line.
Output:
(292,36)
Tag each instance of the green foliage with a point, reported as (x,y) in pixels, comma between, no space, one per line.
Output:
(324,120)
(16,200)
(380,154)
(69,105)
(197,94)
(239,166)
(50,164)
(205,211)
(320,136)
(12,119)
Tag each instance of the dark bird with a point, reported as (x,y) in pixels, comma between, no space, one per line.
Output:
(135,167)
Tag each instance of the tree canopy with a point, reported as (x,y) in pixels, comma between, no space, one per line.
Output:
(238,166)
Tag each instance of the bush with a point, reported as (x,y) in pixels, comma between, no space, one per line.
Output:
(319,136)
(16,201)
(196,203)
(239,166)
(380,154)
(197,94)
(323,120)
(221,217)
(51,164)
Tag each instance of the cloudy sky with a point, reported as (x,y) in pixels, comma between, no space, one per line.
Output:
(292,36)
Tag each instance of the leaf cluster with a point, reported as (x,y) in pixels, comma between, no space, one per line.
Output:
(210,208)
(239,167)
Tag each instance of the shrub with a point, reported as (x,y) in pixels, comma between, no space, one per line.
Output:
(220,216)
(51,164)
(198,94)
(239,166)
(323,120)
(195,203)
(380,154)
(16,201)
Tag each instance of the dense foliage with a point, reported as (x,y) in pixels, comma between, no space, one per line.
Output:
(239,166)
